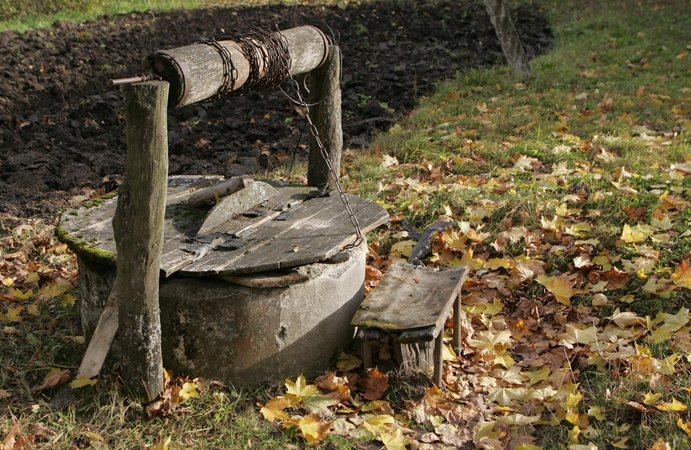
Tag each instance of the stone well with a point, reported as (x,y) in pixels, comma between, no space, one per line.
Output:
(246,327)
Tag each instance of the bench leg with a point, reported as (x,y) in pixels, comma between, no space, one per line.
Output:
(366,354)
(438,358)
(457,324)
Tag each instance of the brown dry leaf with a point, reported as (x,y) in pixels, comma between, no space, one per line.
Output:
(334,386)
(55,379)
(615,278)
(660,444)
(9,441)
(375,384)
(682,275)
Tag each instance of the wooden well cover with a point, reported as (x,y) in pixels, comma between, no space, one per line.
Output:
(288,230)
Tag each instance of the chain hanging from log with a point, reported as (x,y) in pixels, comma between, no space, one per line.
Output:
(266,51)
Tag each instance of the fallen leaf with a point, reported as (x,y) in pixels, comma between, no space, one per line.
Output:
(9,441)
(674,405)
(82,381)
(561,287)
(273,409)
(311,427)
(54,379)
(375,384)
(378,424)
(348,362)
(682,275)
(299,390)
(684,425)
(395,440)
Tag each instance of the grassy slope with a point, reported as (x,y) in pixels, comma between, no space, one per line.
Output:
(571,156)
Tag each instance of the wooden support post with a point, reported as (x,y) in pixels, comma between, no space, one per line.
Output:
(366,354)
(325,95)
(138,229)
(457,324)
(438,358)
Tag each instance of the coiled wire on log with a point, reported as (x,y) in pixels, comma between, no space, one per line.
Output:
(265,49)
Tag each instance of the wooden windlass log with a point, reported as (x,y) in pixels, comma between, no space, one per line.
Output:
(196,72)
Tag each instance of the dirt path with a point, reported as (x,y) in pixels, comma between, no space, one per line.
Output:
(62,129)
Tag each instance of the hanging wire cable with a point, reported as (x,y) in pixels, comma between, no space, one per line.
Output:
(266,51)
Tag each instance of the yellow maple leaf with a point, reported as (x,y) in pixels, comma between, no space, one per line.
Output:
(33,277)
(518,420)
(52,290)
(82,381)
(19,295)
(33,310)
(468,260)
(660,444)
(7,281)
(189,390)
(488,341)
(299,389)
(378,424)
(402,248)
(67,300)
(537,376)
(561,287)
(682,275)
(273,409)
(312,428)
(506,396)
(496,263)
(573,435)
(633,235)
(651,398)
(454,240)
(394,440)
(596,411)
(621,443)
(684,425)
(674,405)
(13,313)
(485,430)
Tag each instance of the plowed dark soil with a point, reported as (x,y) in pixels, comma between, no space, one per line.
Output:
(62,128)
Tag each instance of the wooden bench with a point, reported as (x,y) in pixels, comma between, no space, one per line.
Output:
(410,305)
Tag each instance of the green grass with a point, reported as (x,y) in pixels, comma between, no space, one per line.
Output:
(23,15)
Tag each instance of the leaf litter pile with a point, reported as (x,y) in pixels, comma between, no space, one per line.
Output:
(569,196)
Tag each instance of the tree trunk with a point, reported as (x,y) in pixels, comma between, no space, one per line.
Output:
(138,229)
(508,37)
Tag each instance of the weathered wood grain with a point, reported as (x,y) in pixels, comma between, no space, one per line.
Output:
(314,238)
(316,230)
(195,72)
(103,336)
(411,297)
(138,230)
(219,190)
(325,95)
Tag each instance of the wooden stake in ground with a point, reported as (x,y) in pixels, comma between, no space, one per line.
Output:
(101,340)
(325,95)
(138,229)
(508,37)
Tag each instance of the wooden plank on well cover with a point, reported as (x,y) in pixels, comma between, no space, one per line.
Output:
(411,297)
(314,231)
(309,233)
